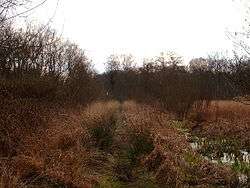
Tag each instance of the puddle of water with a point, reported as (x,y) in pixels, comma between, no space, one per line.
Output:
(243,179)
(246,156)
(242,155)
(212,151)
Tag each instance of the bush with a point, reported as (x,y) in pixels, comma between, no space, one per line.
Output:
(103,133)
(103,137)
(18,119)
(140,144)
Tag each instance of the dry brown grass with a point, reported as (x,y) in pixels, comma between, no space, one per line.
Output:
(230,110)
(172,160)
(57,148)
(54,152)
(226,119)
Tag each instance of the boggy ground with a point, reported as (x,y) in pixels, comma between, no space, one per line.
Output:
(221,133)
(106,144)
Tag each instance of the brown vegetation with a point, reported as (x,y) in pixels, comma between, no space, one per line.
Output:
(56,153)
(68,149)
(172,160)
(224,120)
(166,81)
(61,124)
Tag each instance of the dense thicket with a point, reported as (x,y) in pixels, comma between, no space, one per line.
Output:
(36,63)
(176,87)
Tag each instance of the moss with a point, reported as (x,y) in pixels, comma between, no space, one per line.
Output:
(242,167)
(191,179)
(192,159)
(123,168)
(45,181)
(189,172)
(142,182)
(180,126)
(109,182)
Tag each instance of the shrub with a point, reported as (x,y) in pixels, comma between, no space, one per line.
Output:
(140,144)
(102,137)
(102,134)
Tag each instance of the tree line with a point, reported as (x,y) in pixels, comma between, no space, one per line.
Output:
(175,86)
(36,62)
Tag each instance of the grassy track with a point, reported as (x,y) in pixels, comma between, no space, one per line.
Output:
(109,144)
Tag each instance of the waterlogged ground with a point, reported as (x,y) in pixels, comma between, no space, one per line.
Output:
(222,136)
(222,151)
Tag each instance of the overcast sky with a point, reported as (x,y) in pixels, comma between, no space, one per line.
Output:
(144,28)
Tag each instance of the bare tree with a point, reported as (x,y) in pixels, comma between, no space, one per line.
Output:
(241,41)
(8,8)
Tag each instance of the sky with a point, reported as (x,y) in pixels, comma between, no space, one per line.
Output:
(143,28)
